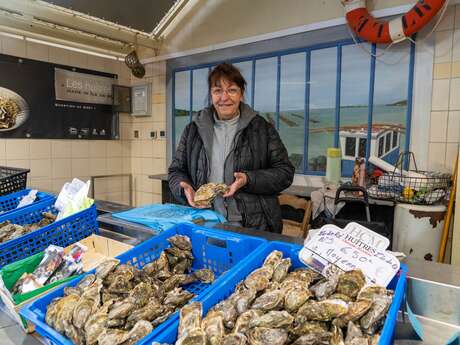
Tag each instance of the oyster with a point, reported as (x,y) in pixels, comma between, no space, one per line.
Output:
(112,337)
(181,242)
(51,312)
(343,297)
(321,338)
(64,312)
(259,279)
(269,300)
(235,339)
(121,309)
(167,311)
(178,253)
(204,275)
(213,326)
(355,311)
(325,288)
(83,310)
(149,312)
(242,323)
(371,292)
(337,336)
(95,325)
(377,312)
(267,336)
(173,282)
(103,269)
(75,335)
(281,270)
(309,327)
(190,318)
(295,298)
(86,281)
(72,290)
(273,319)
(228,309)
(194,337)
(139,331)
(182,266)
(206,194)
(141,294)
(178,297)
(243,300)
(350,283)
(353,331)
(273,259)
(321,311)
(120,284)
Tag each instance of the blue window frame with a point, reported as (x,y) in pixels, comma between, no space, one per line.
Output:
(318,97)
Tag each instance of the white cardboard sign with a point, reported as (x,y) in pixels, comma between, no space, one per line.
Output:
(348,249)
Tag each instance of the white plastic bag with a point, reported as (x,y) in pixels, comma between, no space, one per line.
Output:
(28,199)
(73,198)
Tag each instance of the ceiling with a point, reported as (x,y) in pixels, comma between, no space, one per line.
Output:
(141,15)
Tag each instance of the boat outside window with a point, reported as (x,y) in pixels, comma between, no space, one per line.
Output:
(388,142)
(395,139)
(381,146)
(362,147)
(350,146)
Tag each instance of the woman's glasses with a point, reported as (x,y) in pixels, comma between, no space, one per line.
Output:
(232,91)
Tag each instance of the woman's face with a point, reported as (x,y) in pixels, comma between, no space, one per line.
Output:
(226,98)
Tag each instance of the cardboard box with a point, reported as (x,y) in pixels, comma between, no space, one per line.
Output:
(99,248)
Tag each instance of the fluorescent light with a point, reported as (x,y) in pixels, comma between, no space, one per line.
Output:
(80,50)
(7,34)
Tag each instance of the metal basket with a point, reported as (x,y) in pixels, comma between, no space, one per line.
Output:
(412,186)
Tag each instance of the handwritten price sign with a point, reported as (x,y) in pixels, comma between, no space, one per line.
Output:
(346,249)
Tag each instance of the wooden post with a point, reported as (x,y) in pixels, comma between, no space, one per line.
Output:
(456,230)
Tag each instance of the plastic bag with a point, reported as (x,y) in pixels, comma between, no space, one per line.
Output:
(73,198)
(28,199)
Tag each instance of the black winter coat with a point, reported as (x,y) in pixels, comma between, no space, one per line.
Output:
(259,152)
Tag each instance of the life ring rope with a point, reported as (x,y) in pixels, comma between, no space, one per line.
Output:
(398,29)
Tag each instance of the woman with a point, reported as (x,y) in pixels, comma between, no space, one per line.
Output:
(230,143)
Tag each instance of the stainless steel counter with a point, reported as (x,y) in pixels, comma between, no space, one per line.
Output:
(433,290)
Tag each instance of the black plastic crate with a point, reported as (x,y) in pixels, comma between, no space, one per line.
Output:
(12,179)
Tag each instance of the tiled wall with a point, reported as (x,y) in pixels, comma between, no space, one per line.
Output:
(54,162)
(445,110)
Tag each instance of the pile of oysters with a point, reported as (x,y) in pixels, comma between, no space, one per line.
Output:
(121,304)
(206,194)
(9,231)
(276,306)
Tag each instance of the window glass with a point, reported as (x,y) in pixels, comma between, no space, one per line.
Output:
(181,103)
(265,89)
(200,89)
(362,147)
(246,70)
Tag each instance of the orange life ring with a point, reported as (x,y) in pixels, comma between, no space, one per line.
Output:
(395,30)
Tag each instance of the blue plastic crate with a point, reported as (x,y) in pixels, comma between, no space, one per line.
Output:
(218,250)
(62,233)
(227,287)
(9,202)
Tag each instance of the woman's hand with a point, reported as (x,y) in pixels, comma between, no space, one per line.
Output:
(190,194)
(241,179)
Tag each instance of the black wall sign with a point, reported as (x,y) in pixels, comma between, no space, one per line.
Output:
(29,109)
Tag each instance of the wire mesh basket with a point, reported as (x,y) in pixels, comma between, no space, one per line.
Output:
(12,179)
(411,186)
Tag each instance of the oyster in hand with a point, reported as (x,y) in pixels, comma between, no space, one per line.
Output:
(206,194)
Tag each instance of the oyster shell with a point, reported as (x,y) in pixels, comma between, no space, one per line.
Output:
(103,269)
(321,311)
(269,300)
(139,331)
(75,335)
(95,325)
(51,312)
(64,308)
(309,327)
(228,309)
(178,297)
(115,323)
(178,253)
(84,308)
(371,292)
(295,298)
(167,311)
(149,312)
(355,311)
(273,259)
(321,338)
(343,297)
(377,312)
(206,194)
(194,337)
(213,326)
(267,336)
(259,279)
(244,299)
(120,284)
(353,331)
(190,318)
(121,309)
(141,294)
(181,242)
(337,336)
(204,275)
(273,319)
(350,283)
(112,337)
(72,290)
(324,288)
(86,281)
(281,270)
(235,339)
(242,323)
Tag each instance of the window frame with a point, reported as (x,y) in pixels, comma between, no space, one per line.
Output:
(307,50)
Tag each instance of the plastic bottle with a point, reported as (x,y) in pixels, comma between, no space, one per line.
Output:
(334,165)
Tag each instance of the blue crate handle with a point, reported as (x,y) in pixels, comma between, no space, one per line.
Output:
(245,248)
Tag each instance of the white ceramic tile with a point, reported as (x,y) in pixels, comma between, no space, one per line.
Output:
(156,198)
(98,166)
(115,184)
(447,21)
(148,165)
(143,198)
(443,46)
(126,148)
(159,68)
(159,112)
(156,184)
(36,51)
(98,148)
(159,148)
(451,155)
(136,148)
(13,46)
(61,149)
(3,148)
(159,84)
(114,148)
(80,167)
(18,163)
(440,97)
(454,103)
(126,165)
(442,70)
(43,184)
(436,156)
(17,149)
(80,148)
(453,128)
(61,167)
(144,184)
(147,148)
(456,45)
(40,168)
(40,149)
(438,126)
(114,165)
(57,184)
(136,165)
(158,166)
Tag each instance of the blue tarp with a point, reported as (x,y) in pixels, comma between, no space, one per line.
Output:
(163,216)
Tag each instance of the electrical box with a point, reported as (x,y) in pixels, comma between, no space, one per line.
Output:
(141,96)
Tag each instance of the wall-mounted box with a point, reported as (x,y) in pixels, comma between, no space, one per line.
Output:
(141,100)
